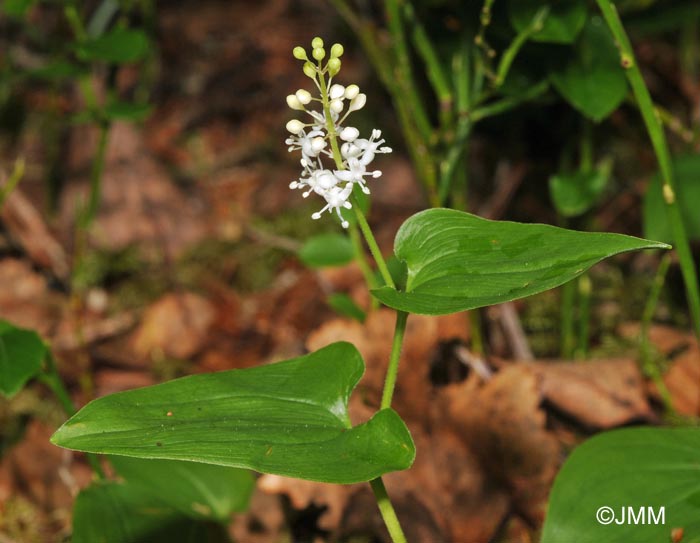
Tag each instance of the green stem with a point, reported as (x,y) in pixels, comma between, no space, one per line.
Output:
(511,53)
(98,165)
(649,366)
(404,71)
(393,369)
(568,297)
(387,511)
(51,378)
(361,220)
(418,147)
(361,260)
(506,104)
(13,181)
(372,244)
(658,140)
(434,70)
(584,315)
(448,165)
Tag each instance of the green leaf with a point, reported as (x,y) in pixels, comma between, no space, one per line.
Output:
(326,250)
(344,305)
(593,80)
(109,512)
(127,111)
(196,490)
(57,70)
(21,355)
(16,8)
(635,467)
(458,261)
(687,187)
(575,193)
(120,45)
(288,418)
(563,23)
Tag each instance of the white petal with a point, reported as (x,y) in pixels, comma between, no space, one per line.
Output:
(337,91)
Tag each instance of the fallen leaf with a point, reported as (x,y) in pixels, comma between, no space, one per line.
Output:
(176,325)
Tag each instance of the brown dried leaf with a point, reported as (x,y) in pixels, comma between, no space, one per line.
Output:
(176,325)
(599,394)
(503,425)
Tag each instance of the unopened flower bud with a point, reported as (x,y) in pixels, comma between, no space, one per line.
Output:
(294,102)
(309,70)
(351,91)
(336,92)
(333,66)
(316,42)
(337,50)
(349,133)
(358,102)
(319,53)
(295,126)
(318,144)
(303,96)
(336,106)
(299,53)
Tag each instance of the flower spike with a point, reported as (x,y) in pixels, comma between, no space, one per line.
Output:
(318,140)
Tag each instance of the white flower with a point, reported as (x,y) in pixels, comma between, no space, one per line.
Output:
(314,139)
(355,173)
(336,198)
(370,147)
(311,144)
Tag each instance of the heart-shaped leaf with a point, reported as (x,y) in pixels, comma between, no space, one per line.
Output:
(120,45)
(562,24)
(326,250)
(200,491)
(593,80)
(21,355)
(458,261)
(288,418)
(628,471)
(575,193)
(109,512)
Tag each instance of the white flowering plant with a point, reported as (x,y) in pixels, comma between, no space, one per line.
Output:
(318,139)
(291,418)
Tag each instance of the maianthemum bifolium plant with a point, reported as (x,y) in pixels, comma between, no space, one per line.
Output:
(291,418)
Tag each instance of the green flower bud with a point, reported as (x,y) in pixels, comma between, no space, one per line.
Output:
(337,50)
(309,70)
(317,43)
(334,66)
(299,53)
(319,53)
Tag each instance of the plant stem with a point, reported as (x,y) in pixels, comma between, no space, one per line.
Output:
(98,165)
(361,220)
(403,70)
(509,54)
(51,378)
(568,341)
(383,65)
(648,365)
(387,511)
(434,70)
(362,263)
(583,285)
(13,181)
(658,140)
(393,368)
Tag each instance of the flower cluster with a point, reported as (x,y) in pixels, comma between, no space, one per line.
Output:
(327,137)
